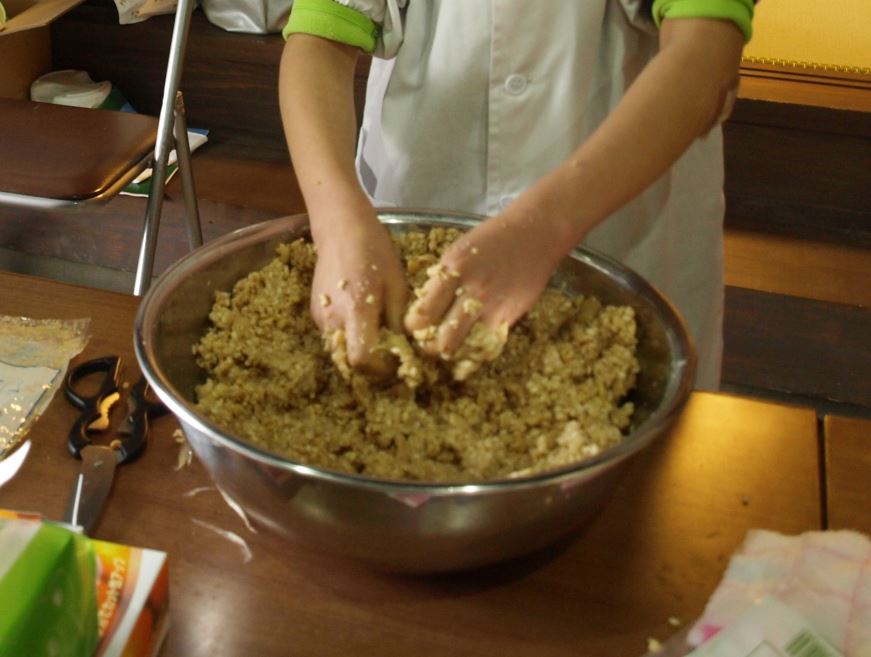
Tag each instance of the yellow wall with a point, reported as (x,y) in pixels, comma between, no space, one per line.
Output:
(833,34)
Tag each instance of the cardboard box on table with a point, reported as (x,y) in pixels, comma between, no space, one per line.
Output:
(25,43)
(60,588)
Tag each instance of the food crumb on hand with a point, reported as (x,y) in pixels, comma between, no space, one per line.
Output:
(674,621)
(653,645)
(475,250)
(325,300)
(482,345)
(439,270)
(374,267)
(342,284)
(370,299)
(425,334)
(472,306)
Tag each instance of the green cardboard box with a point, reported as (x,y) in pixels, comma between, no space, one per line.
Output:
(47,594)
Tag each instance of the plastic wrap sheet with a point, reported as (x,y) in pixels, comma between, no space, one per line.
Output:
(34,355)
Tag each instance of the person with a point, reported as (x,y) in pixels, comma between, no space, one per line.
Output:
(562,122)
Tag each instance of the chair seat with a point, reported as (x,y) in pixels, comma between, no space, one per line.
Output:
(69,153)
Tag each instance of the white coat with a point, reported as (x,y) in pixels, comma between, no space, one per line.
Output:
(471,101)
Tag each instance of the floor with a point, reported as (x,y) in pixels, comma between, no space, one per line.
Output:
(798,311)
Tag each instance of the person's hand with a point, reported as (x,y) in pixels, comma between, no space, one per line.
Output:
(492,274)
(358,285)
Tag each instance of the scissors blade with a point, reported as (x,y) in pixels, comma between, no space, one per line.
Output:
(92,486)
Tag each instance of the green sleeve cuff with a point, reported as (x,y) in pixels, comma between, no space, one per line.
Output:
(739,12)
(333,21)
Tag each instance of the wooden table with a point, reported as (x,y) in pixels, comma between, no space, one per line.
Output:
(848,473)
(657,551)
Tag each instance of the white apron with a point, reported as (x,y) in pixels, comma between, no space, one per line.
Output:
(471,101)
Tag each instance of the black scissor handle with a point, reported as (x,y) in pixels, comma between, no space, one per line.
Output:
(135,428)
(144,400)
(110,366)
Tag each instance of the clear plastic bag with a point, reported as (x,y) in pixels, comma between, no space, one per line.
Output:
(136,11)
(34,355)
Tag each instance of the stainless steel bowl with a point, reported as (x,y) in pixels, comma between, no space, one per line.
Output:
(396,525)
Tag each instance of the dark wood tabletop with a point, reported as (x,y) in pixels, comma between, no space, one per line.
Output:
(848,473)
(656,552)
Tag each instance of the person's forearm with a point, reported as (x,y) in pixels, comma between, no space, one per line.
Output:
(316,92)
(676,99)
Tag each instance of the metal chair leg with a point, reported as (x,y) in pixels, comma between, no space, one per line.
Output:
(145,266)
(183,152)
(148,244)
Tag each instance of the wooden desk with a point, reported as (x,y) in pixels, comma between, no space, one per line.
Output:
(657,550)
(848,472)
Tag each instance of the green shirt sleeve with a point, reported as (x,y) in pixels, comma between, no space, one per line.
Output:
(739,12)
(333,21)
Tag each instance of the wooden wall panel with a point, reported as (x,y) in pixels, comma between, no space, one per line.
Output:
(797,346)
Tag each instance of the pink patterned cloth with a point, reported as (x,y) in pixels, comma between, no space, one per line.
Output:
(825,576)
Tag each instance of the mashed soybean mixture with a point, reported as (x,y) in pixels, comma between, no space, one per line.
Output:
(553,396)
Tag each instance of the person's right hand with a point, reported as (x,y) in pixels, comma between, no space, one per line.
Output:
(358,285)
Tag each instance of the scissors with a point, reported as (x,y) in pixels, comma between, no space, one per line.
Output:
(94,482)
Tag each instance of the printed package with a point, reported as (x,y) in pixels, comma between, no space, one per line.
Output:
(64,594)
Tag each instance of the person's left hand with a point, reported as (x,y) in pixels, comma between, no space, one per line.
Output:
(492,274)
